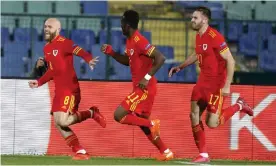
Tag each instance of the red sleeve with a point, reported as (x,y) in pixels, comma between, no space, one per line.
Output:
(143,45)
(220,44)
(73,48)
(47,76)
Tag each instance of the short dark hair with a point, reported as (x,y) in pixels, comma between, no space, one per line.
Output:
(205,11)
(131,17)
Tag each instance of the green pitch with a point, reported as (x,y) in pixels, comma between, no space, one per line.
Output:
(65,160)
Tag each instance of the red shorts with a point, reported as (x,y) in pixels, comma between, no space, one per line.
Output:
(139,101)
(66,101)
(211,99)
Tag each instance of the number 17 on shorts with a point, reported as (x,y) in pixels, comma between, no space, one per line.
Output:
(215,102)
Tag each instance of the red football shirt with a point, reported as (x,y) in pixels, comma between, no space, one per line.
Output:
(139,50)
(212,66)
(59,57)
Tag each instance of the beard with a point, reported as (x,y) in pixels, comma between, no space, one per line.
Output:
(196,27)
(125,32)
(50,36)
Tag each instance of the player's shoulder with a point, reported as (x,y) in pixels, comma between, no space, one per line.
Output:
(214,34)
(139,38)
(62,39)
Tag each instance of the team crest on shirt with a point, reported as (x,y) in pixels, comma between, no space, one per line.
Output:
(131,52)
(55,52)
(205,47)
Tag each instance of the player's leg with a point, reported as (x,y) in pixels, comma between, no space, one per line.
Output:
(166,153)
(217,116)
(123,116)
(68,114)
(227,113)
(67,119)
(197,109)
(198,106)
(124,113)
(70,138)
(64,112)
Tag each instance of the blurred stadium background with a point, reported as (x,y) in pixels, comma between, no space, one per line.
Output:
(249,28)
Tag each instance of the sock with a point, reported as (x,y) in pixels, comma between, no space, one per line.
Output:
(83,115)
(227,113)
(158,143)
(199,137)
(204,155)
(131,119)
(73,142)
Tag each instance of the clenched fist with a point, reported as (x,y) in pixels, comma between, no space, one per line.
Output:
(107,49)
(33,84)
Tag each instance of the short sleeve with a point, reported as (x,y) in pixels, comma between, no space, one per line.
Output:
(144,46)
(220,44)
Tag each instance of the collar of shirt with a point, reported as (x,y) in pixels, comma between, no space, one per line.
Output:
(56,38)
(134,34)
(207,30)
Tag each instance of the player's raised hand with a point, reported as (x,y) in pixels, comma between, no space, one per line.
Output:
(33,84)
(107,49)
(93,62)
(173,70)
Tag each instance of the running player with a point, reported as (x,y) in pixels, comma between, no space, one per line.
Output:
(144,61)
(217,68)
(58,53)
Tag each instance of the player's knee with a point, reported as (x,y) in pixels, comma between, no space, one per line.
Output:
(211,123)
(116,117)
(62,123)
(212,120)
(61,119)
(119,114)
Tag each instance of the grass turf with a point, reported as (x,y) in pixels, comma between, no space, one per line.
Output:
(66,160)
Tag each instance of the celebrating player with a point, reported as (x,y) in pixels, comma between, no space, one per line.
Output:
(144,61)
(217,69)
(58,54)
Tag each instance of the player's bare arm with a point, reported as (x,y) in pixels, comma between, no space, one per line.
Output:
(158,61)
(107,49)
(190,60)
(230,67)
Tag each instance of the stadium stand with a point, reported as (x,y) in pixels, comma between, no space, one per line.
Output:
(40,7)
(95,7)
(68,7)
(83,37)
(4,36)
(12,7)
